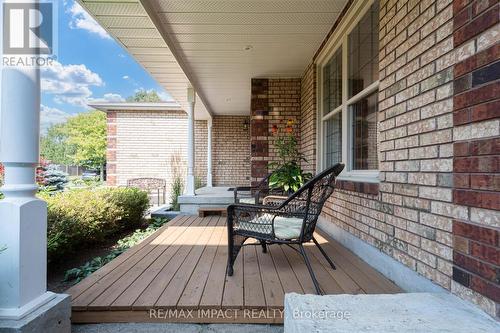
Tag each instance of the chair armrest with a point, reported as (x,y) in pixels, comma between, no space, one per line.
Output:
(274,200)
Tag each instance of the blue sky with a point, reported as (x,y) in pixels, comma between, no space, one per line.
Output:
(90,66)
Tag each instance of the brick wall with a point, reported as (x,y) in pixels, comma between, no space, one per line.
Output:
(231,150)
(151,144)
(274,102)
(431,139)
(476,167)
(259,129)
(308,118)
(200,144)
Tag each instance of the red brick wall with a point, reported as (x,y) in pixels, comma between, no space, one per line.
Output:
(284,105)
(476,162)
(274,101)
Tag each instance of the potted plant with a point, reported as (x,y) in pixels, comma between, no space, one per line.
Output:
(287,175)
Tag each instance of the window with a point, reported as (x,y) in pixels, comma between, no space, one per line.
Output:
(333,140)
(363,52)
(332,83)
(364,133)
(349,95)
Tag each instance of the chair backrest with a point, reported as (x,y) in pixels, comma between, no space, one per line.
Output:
(309,200)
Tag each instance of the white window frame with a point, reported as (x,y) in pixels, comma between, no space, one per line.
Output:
(336,41)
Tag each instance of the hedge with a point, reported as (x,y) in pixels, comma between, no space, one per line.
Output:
(80,217)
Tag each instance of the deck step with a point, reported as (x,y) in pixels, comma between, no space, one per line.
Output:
(204,211)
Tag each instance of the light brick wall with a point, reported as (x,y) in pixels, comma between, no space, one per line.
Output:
(151,144)
(308,118)
(231,151)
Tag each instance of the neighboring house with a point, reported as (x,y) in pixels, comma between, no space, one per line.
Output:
(403,92)
(149,140)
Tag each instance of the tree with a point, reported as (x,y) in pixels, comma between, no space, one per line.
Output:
(54,145)
(80,141)
(86,132)
(145,96)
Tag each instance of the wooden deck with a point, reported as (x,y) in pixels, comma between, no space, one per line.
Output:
(178,275)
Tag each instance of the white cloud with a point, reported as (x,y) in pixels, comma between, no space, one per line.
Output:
(51,116)
(112,98)
(69,83)
(80,19)
(165,96)
(125,77)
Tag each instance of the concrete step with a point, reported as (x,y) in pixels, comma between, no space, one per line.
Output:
(396,313)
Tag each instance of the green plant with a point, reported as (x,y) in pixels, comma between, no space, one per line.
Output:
(81,140)
(90,183)
(79,273)
(177,166)
(198,182)
(54,179)
(176,191)
(85,216)
(287,172)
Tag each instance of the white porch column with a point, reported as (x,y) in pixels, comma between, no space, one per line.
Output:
(23,217)
(209,152)
(190,151)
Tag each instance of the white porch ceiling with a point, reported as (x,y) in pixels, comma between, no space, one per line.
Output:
(218,46)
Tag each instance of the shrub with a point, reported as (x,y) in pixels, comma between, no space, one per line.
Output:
(54,179)
(80,217)
(79,273)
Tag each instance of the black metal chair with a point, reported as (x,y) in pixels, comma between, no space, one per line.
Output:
(291,221)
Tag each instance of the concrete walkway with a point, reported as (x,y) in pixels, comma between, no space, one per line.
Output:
(397,313)
(176,328)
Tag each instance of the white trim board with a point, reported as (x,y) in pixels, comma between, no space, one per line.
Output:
(403,276)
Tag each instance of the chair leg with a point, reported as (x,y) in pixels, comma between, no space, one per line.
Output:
(309,268)
(264,246)
(327,257)
(230,250)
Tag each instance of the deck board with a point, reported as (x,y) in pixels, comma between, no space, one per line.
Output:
(182,267)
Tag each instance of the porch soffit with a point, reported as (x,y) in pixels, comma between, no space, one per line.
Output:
(217,46)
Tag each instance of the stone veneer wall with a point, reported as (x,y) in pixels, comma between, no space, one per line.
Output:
(274,102)
(149,144)
(231,150)
(476,162)
(419,214)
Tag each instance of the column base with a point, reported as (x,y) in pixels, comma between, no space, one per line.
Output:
(54,316)
(190,185)
(18,313)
